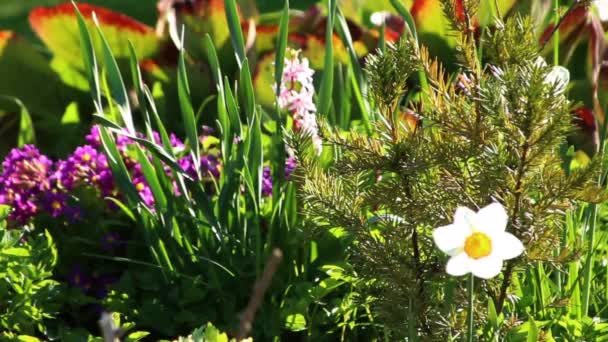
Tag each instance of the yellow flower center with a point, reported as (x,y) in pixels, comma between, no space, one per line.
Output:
(56,205)
(140,187)
(478,245)
(86,157)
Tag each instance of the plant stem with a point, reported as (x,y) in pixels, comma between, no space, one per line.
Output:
(588,271)
(470,332)
(556,33)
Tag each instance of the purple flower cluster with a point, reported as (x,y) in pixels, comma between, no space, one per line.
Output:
(209,166)
(31,183)
(26,184)
(290,165)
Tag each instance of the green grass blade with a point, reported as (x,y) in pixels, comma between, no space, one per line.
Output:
(255,156)
(138,84)
(26,134)
(327,82)
(183,92)
(382,40)
(152,180)
(233,111)
(90,61)
(247,92)
(119,170)
(347,39)
(115,82)
(281,46)
(236,33)
(407,16)
(214,62)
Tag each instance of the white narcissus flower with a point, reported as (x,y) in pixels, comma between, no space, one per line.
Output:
(477,242)
(558,75)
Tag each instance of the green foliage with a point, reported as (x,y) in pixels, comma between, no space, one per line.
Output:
(208,333)
(29,294)
(387,74)
(489,136)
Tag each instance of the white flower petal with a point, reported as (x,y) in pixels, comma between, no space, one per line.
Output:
(464,216)
(506,246)
(450,238)
(559,76)
(486,268)
(491,219)
(540,62)
(458,265)
(602,9)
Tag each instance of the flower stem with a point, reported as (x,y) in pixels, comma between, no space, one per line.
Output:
(588,270)
(471,331)
(556,20)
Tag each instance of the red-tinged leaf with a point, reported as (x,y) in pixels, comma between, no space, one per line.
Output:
(584,118)
(597,49)
(5,36)
(586,138)
(572,25)
(58,29)
(394,27)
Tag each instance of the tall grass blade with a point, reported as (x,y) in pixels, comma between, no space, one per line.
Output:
(327,83)
(185,103)
(115,82)
(236,33)
(281,46)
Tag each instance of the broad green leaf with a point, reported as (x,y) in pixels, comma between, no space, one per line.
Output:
(295,322)
(27,75)
(533,331)
(5,210)
(212,334)
(71,115)
(263,81)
